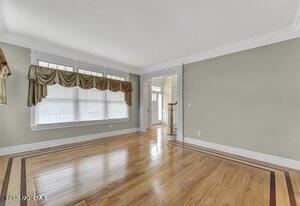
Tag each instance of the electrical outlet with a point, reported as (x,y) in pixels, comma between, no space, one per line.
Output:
(189,104)
(110,126)
(199,133)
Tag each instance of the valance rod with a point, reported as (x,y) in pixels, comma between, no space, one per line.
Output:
(41,77)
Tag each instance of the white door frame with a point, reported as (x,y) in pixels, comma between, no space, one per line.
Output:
(145,98)
(145,104)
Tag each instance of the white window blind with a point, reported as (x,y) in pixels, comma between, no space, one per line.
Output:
(75,104)
(91,104)
(116,107)
(59,106)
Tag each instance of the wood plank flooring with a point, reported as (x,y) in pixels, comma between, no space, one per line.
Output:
(142,169)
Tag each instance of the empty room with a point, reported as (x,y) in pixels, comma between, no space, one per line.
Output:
(144,102)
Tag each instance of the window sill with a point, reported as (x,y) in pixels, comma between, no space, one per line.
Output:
(76,124)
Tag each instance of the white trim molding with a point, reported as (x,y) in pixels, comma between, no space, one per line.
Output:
(66,52)
(59,142)
(267,39)
(277,36)
(274,37)
(75,124)
(263,40)
(289,163)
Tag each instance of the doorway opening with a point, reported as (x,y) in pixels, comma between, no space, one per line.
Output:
(165,88)
(156,105)
(163,104)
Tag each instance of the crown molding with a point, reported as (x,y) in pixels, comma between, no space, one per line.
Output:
(274,37)
(66,52)
(262,40)
(267,39)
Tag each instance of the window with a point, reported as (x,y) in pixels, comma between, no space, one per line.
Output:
(91,104)
(153,97)
(156,89)
(83,71)
(55,66)
(59,106)
(116,106)
(115,77)
(79,105)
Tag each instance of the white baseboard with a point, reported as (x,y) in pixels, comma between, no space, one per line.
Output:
(179,136)
(53,143)
(294,164)
(142,129)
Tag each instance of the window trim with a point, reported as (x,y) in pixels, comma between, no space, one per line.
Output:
(40,127)
(37,127)
(37,56)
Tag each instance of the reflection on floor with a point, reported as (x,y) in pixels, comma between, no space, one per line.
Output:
(160,131)
(142,169)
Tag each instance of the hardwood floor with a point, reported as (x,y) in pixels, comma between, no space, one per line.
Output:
(142,169)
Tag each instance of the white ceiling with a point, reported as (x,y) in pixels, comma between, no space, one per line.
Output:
(144,33)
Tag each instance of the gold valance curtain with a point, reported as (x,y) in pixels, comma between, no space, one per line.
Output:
(4,73)
(41,77)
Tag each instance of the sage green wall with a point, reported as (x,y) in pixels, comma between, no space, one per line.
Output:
(15,116)
(249,99)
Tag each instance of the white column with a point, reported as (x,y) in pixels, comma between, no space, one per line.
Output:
(179,135)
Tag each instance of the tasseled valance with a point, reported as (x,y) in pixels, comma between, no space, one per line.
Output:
(41,77)
(4,73)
